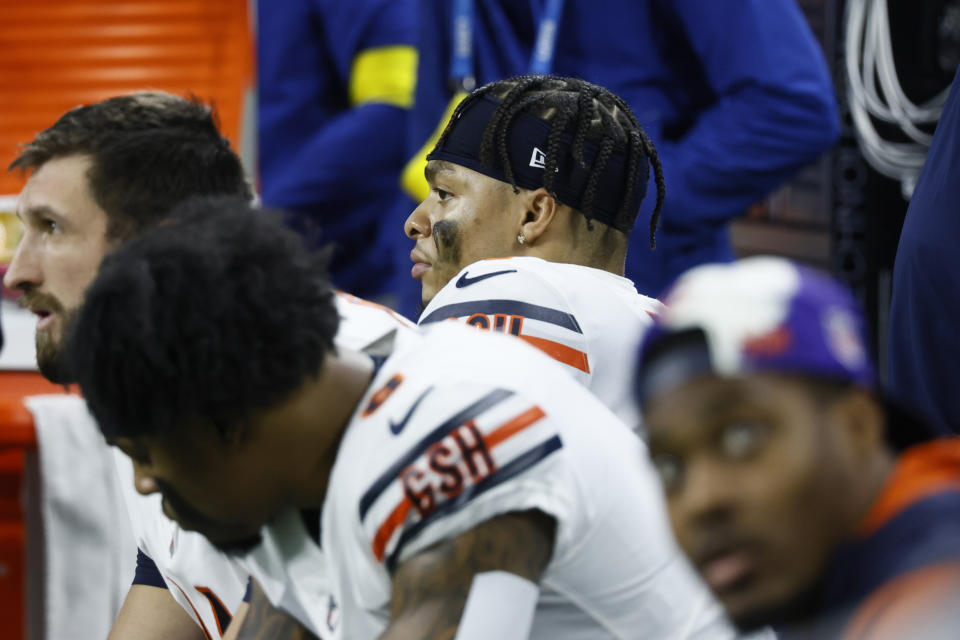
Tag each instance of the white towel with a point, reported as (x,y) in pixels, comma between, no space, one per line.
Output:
(88,549)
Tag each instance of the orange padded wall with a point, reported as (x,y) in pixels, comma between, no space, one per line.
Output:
(16,438)
(56,54)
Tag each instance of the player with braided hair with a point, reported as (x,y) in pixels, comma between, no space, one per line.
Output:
(549,172)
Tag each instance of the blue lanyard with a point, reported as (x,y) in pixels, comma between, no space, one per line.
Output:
(461,50)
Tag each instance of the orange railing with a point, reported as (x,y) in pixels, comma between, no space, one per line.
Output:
(57,54)
(17,439)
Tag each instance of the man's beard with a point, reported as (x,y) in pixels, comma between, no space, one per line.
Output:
(187,514)
(51,354)
(795,612)
(239,547)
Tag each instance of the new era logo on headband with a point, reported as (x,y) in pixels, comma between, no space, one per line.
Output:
(538,159)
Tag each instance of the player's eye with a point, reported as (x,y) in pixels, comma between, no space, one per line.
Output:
(670,470)
(442,194)
(49,226)
(741,439)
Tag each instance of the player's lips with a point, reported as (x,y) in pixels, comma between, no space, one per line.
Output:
(726,567)
(420,265)
(44,306)
(44,318)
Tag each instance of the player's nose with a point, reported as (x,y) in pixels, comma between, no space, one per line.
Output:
(24,270)
(705,497)
(143,481)
(418,223)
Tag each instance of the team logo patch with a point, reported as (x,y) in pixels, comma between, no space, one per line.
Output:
(538,159)
(459,460)
(769,345)
(397,427)
(466,281)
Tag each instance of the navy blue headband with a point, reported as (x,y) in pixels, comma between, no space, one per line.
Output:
(526,148)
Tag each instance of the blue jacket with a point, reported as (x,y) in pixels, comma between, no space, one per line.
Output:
(735,94)
(924,364)
(905,545)
(335,81)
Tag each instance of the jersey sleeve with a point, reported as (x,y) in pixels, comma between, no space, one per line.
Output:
(364,324)
(509,297)
(495,453)
(918,604)
(147,573)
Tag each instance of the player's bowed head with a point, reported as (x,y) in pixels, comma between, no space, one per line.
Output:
(199,348)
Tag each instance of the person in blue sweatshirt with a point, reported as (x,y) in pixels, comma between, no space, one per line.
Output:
(335,82)
(736,95)
(924,363)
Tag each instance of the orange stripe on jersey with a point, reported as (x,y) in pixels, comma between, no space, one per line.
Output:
(921,471)
(203,627)
(380,395)
(908,602)
(561,352)
(384,533)
(373,305)
(210,595)
(399,514)
(513,426)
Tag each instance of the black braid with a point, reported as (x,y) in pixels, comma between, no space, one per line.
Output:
(651,152)
(586,108)
(634,155)
(599,164)
(565,115)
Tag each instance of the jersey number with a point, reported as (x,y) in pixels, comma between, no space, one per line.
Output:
(497,322)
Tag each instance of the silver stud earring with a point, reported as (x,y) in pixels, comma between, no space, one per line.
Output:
(521,238)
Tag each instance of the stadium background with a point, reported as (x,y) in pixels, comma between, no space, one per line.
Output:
(839,214)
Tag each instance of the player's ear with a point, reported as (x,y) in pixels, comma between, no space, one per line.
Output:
(862,419)
(540,210)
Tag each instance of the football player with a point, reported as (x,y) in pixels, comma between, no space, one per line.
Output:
(464,484)
(805,499)
(535,186)
(99,176)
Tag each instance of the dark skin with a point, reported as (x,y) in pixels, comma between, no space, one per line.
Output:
(263,622)
(430,589)
(218,490)
(469,217)
(764,476)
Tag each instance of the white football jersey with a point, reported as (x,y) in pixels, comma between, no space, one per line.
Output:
(207,583)
(588,319)
(458,427)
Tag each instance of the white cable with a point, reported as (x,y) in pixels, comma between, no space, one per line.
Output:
(875,93)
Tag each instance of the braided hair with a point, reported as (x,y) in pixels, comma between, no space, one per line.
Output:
(597,116)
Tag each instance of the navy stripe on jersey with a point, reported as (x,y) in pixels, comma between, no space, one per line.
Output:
(509,307)
(390,475)
(249,591)
(147,572)
(517,466)
(224,617)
